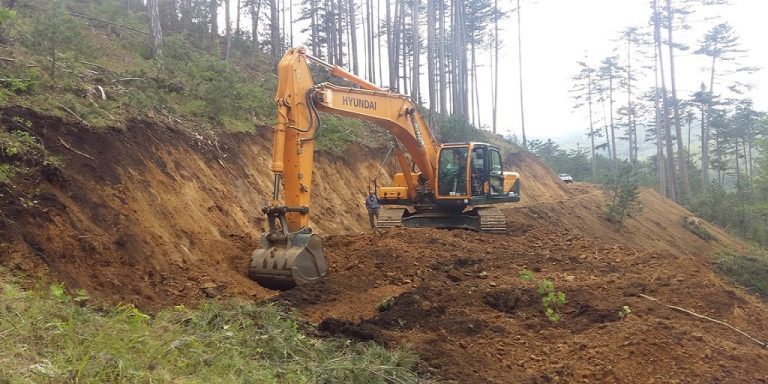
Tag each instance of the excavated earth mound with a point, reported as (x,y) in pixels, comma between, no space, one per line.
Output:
(159,217)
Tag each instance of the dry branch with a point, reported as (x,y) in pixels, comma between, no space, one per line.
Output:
(127,78)
(762,344)
(73,114)
(67,146)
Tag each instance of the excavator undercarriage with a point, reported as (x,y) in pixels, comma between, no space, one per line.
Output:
(482,219)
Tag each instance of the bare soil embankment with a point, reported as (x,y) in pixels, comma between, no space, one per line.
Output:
(159,217)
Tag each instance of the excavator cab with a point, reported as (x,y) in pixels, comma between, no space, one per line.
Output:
(473,171)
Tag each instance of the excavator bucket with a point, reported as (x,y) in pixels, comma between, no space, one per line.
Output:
(283,262)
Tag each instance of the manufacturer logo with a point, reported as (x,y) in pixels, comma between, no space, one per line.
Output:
(358,103)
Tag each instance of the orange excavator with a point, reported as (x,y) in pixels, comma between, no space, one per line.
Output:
(452,185)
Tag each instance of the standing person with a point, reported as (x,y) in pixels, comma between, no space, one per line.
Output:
(373,206)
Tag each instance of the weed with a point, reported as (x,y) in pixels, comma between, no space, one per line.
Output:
(624,311)
(386,304)
(526,275)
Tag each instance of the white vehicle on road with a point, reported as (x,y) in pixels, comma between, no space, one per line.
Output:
(566,178)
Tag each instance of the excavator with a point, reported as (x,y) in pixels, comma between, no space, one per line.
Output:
(449,185)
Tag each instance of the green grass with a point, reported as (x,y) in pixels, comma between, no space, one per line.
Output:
(52,336)
(749,270)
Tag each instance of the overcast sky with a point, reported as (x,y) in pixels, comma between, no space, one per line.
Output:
(558,33)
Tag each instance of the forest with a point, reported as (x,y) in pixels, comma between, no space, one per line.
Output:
(709,145)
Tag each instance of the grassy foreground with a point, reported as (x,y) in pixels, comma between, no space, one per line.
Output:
(52,336)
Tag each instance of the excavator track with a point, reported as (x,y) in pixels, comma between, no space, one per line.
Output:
(487,220)
(492,220)
(390,217)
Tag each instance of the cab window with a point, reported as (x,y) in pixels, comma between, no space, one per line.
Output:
(453,172)
(497,176)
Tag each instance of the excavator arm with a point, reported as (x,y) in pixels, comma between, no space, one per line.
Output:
(290,253)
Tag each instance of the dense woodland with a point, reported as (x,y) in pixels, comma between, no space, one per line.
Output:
(709,145)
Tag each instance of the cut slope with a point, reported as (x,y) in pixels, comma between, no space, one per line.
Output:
(156,216)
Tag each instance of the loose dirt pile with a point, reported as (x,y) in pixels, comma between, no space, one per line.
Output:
(457,298)
(158,217)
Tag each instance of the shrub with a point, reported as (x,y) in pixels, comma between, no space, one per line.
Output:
(621,191)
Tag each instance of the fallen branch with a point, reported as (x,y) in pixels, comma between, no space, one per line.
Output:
(80,15)
(127,78)
(67,146)
(762,344)
(95,65)
(7,59)
(73,114)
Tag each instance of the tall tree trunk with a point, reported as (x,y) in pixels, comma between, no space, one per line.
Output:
(670,168)
(237,17)
(475,92)
(156,31)
(495,82)
(661,163)
(378,41)
(442,87)
(704,148)
(630,125)
(392,39)
(255,10)
(592,132)
(371,44)
(185,15)
(340,32)
(749,147)
(274,30)
(213,10)
(315,44)
(520,72)
(705,129)
(607,137)
(682,161)
(416,49)
(353,35)
(461,89)
(613,130)
(431,59)
(227,29)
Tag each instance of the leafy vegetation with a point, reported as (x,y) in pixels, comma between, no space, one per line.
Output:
(53,336)
(22,154)
(551,299)
(624,311)
(95,69)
